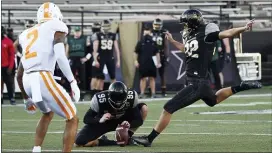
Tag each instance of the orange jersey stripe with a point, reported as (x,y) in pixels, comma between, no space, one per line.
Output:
(60,93)
(54,96)
(46,10)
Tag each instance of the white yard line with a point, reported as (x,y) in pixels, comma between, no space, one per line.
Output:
(191,106)
(219,121)
(162,99)
(169,133)
(26,150)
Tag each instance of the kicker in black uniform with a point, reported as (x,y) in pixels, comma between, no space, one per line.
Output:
(118,105)
(198,46)
(159,38)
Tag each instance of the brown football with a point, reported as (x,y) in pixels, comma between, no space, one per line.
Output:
(121,135)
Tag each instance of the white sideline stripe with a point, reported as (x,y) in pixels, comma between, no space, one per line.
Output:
(190,106)
(234,134)
(25,150)
(161,99)
(219,121)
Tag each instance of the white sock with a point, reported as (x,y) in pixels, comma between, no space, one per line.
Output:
(37,149)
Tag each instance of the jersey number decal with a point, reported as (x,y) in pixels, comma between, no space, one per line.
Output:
(33,35)
(106,44)
(190,47)
(158,40)
(130,95)
(102,98)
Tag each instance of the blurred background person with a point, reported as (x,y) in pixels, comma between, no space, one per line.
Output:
(145,49)
(104,43)
(96,28)
(76,51)
(221,55)
(215,65)
(162,45)
(224,56)
(7,66)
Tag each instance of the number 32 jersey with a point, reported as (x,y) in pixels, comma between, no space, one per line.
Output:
(199,52)
(37,45)
(100,104)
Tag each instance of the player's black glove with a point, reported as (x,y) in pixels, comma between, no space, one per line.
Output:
(228,58)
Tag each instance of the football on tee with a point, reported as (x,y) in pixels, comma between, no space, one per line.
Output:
(121,135)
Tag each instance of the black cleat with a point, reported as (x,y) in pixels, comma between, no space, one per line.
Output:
(250,85)
(104,137)
(12,102)
(164,95)
(142,140)
(141,96)
(131,142)
(153,96)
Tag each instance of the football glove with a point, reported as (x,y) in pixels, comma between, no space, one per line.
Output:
(30,106)
(105,117)
(75,92)
(125,124)
(250,24)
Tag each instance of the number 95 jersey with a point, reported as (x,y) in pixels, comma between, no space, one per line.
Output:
(198,51)
(37,45)
(100,104)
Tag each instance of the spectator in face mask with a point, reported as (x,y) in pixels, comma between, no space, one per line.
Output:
(147,60)
(7,66)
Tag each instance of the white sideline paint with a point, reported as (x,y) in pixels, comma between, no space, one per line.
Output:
(25,150)
(238,112)
(233,134)
(160,99)
(218,121)
(190,106)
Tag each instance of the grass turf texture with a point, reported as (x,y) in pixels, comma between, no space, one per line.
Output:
(188,132)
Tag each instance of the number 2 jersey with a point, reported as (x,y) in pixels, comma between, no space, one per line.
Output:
(100,105)
(38,47)
(199,51)
(106,43)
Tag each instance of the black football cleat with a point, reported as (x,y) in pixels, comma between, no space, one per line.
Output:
(104,137)
(250,85)
(142,140)
(131,142)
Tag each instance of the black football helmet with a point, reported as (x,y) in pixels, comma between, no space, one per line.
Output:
(192,19)
(157,24)
(96,27)
(118,95)
(106,26)
(29,24)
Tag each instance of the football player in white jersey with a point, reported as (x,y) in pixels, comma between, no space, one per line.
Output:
(43,46)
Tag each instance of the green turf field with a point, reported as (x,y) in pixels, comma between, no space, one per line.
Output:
(241,124)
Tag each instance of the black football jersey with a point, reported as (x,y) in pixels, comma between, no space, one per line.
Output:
(100,104)
(159,39)
(106,43)
(199,52)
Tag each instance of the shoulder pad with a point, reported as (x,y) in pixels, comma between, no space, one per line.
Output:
(57,25)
